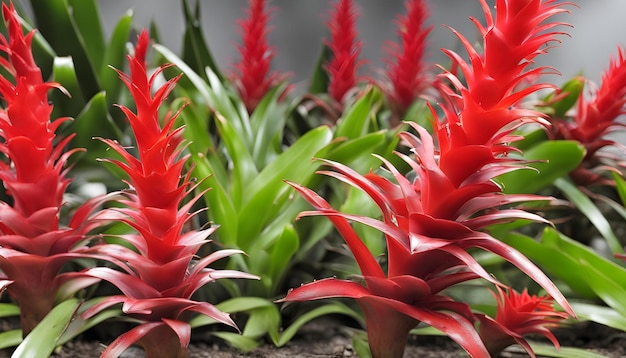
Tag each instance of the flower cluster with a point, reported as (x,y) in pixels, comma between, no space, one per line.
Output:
(430,223)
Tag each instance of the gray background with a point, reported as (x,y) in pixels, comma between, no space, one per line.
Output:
(299,26)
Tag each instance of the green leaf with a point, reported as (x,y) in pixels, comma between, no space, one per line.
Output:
(45,337)
(599,314)
(262,321)
(320,79)
(327,309)
(608,289)
(267,192)
(10,338)
(554,160)
(553,259)
(79,325)
(568,96)
(548,350)
(620,185)
(268,121)
(9,309)
(115,56)
(241,342)
(221,208)
(591,211)
(355,122)
(63,72)
(87,19)
(92,122)
(195,49)
(60,30)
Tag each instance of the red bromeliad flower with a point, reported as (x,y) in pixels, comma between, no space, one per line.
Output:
(430,225)
(405,70)
(431,222)
(487,101)
(252,78)
(33,247)
(159,279)
(343,67)
(594,119)
(519,314)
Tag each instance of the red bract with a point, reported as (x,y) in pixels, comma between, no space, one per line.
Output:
(511,41)
(253,78)
(405,70)
(519,314)
(342,68)
(159,279)
(33,247)
(594,119)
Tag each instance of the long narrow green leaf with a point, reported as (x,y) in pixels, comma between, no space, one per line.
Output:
(591,211)
(554,160)
(196,52)
(9,309)
(63,72)
(45,337)
(115,56)
(599,314)
(241,342)
(355,122)
(553,260)
(87,19)
(267,192)
(610,291)
(327,309)
(218,199)
(548,350)
(10,338)
(57,26)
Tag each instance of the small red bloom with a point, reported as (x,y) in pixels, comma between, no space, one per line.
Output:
(253,78)
(343,67)
(594,119)
(405,70)
(519,314)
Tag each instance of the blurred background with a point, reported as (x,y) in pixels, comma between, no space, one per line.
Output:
(299,27)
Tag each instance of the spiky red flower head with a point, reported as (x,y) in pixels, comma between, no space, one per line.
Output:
(595,118)
(33,248)
(343,67)
(34,174)
(521,30)
(252,77)
(405,69)
(157,280)
(519,314)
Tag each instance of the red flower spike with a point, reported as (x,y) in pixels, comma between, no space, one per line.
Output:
(33,248)
(519,314)
(343,67)
(594,119)
(405,69)
(511,41)
(158,280)
(252,77)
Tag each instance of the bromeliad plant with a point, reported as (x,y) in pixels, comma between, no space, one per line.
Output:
(159,276)
(431,222)
(35,241)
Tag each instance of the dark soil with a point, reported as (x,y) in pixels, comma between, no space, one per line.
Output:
(323,338)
